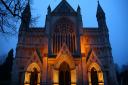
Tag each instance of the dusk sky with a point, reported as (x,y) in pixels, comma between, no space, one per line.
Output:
(116,17)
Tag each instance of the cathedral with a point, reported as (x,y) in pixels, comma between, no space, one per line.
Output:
(63,52)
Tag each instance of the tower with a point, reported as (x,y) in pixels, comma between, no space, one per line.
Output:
(102,26)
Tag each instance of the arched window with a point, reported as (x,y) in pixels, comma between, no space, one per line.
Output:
(64,33)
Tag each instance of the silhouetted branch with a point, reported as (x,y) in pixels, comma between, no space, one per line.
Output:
(10,10)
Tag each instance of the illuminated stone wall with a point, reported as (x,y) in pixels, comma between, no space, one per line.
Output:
(64,40)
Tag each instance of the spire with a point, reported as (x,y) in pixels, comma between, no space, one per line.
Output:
(49,10)
(26,13)
(78,9)
(100,12)
(79,15)
(26,16)
(101,17)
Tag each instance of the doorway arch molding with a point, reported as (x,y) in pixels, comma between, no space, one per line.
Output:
(64,56)
(99,73)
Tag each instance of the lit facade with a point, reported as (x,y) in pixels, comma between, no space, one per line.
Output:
(64,52)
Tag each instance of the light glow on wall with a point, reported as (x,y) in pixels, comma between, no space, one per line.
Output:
(73,77)
(56,77)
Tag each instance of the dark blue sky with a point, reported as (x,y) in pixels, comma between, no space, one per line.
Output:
(116,17)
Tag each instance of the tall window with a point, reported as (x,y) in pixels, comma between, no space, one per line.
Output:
(64,34)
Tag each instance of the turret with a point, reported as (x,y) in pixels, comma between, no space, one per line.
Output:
(101,17)
(48,10)
(79,26)
(102,25)
(25,18)
(78,10)
(79,16)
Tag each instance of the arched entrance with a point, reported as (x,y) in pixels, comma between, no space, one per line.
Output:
(64,74)
(32,75)
(94,76)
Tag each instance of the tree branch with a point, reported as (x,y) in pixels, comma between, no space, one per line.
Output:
(12,13)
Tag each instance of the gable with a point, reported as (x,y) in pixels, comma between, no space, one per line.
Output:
(34,59)
(63,8)
(92,57)
(64,56)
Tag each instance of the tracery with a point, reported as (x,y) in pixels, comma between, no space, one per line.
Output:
(64,34)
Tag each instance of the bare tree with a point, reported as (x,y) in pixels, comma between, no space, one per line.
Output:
(10,14)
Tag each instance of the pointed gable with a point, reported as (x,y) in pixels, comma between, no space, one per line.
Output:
(63,8)
(92,57)
(34,59)
(64,51)
(64,56)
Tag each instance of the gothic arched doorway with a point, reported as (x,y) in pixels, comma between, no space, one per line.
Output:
(32,75)
(94,76)
(64,74)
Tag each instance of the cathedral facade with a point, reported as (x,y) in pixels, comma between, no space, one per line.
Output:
(63,52)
